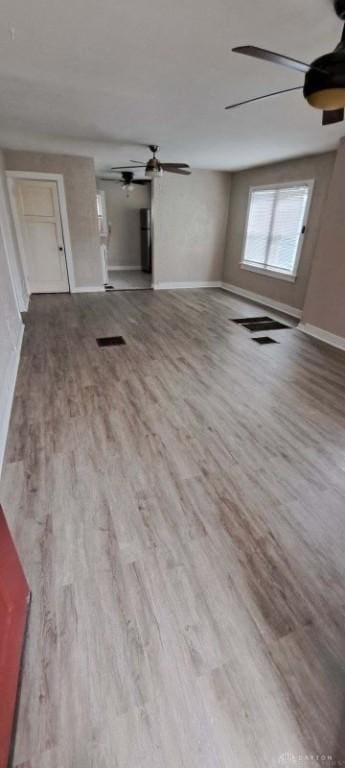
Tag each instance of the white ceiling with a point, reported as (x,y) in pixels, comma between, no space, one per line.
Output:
(104,78)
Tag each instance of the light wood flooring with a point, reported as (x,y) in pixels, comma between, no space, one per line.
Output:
(179,507)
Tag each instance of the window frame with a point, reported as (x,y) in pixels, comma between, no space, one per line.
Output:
(102,219)
(265,269)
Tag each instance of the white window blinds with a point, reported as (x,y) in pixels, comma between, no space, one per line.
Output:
(274,228)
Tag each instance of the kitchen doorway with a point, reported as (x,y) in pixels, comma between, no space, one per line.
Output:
(124,216)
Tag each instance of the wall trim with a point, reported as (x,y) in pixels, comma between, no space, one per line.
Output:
(276,274)
(26,304)
(319,333)
(9,384)
(117,268)
(12,250)
(191,284)
(259,299)
(88,289)
(58,178)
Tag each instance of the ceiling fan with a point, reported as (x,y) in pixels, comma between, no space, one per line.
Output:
(127,181)
(324,84)
(154,167)
(127,177)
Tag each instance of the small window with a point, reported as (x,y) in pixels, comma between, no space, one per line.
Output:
(101,213)
(276,223)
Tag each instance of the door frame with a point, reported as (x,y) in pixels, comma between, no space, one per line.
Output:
(12,177)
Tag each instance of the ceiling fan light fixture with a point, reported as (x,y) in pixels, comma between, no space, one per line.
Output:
(153,173)
(127,188)
(325,90)
(153,169)
(327,98)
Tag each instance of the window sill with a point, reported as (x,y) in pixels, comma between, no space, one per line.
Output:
(290,278)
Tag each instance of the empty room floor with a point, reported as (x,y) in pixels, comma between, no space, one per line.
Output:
(129,279)
(178,504)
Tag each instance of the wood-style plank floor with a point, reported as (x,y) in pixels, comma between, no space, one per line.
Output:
(179,507)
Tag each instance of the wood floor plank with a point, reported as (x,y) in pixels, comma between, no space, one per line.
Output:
(178,504)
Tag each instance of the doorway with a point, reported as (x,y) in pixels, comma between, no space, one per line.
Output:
(124,216)
(41,232)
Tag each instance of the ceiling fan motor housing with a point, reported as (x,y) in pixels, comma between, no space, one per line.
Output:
(324,86)
(127,176)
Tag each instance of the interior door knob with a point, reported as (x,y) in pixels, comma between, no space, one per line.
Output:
(60,248)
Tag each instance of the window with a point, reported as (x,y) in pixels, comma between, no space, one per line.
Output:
(276,222)
(101,213)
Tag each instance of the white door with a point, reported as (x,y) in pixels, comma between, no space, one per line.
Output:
(39,212)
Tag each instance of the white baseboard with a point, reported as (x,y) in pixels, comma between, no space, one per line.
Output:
(88,289)
(8,388)
(193,284)
(278,305)
(319,333)
(117,268)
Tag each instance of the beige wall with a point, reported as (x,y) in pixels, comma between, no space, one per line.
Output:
(80,189)
(123,215)
(189,226)
(10,320)
(317,167)
(325,299)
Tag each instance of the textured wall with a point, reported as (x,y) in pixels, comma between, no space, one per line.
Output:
(190,218)
(123,215)
(80,189)
(325,299)
(317,167)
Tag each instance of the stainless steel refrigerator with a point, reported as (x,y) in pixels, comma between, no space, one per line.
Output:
(145,239)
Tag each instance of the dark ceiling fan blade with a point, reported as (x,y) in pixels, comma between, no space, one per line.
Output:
(139,162)
(267,96)
(167,166)
(331,116)
(275,58)
(181,171)
(123,181)
(126,167)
